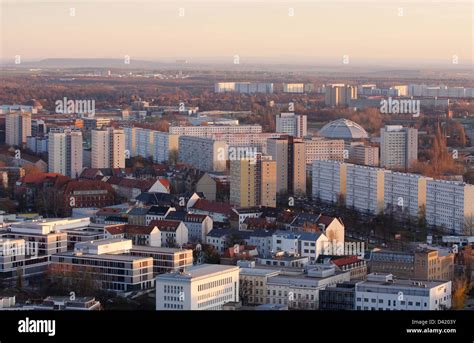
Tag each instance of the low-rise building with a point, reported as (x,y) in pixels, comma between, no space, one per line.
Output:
(108,264)
(165,260)
(199,225)
(382,292)
(253,285)
(201,287)
(337,298)
(423,264)
(301,291)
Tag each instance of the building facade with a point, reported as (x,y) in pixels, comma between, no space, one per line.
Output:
(201,287)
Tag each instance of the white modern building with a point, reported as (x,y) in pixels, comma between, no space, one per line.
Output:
(301,291)
(107,262)
(450,204)
(201,287)
(382,292)
(292,124)
(205,154)
(305,244)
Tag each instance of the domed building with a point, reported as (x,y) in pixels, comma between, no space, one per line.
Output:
(343,129)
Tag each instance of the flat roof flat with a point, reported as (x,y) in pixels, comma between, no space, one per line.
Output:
(110,257)
(197,272)
(258,271)
(158,249)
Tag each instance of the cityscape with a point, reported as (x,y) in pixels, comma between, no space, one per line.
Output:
(219,174)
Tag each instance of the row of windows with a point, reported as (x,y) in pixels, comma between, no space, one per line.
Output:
(214,294)
(173,289)
(220,300)
(180,298)
(174,306)
(293,295)
(216,283)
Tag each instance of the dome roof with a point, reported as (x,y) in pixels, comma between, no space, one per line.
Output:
(343,129)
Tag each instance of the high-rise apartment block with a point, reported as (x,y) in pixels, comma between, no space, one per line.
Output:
(206,131)
(445,204)
(318,148)
(364,155)
(65,152)
(253,181)
(365,188)
(298,88)
(205,154)
(450,204)
(339,95)
(405,193)
(150,143)
(17,128)
(398,146)
(290,157)
(243,87)
(329,180)
(292,124)
(108,148)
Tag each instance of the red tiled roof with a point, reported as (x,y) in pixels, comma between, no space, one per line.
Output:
(38,177)
(61,180)
(116,229)
(85,185)
(165,183)
(89,173)
(143,185)
(345,260)
(138,230)
(213,206)
(326,220)
(108,211)
(165,225)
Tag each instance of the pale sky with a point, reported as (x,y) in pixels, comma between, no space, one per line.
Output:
(320,30)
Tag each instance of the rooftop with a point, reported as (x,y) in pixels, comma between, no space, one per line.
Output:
(197,272)
(343,128)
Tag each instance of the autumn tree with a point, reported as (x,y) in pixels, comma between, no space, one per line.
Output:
(460,288)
